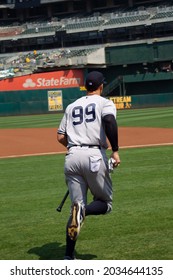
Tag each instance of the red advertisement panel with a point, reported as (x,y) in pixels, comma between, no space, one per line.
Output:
(49,80)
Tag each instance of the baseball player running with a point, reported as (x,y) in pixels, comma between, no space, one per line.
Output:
(84,129)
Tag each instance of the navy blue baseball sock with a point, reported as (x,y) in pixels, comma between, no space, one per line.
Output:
(96,207)
(70,245)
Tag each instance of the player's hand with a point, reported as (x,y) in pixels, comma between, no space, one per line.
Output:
(116,157)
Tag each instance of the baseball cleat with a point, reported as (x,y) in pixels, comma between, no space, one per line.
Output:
(76,220)
(69,258)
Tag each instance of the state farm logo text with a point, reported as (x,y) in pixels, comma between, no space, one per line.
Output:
(42,82)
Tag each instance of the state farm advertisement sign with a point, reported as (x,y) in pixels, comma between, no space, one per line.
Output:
(50,80)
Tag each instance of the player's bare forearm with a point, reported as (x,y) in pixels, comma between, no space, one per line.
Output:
(61,138)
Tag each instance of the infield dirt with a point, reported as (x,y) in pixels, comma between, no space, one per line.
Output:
(35,141)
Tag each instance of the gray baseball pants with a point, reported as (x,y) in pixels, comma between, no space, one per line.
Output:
(87,168)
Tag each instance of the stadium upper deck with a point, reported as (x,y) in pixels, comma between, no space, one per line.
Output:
(27,25)
(24,10)
(43,27)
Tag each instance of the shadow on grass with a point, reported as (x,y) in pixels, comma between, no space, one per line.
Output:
(55,251)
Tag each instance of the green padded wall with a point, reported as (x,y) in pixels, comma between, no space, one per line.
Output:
(33,101)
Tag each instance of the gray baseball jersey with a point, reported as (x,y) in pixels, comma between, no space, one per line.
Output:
(82,121)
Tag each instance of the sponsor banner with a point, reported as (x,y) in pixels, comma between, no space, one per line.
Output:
(55,102)
(49,80)
(122,102)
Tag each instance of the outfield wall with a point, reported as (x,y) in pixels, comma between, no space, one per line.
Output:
(27,103)
(40,93)
(51,92)
(37,102)
(143,101)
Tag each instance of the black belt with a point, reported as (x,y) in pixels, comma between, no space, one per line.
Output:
(87,146)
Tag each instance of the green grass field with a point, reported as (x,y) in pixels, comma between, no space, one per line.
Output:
(139,227)
(151,117)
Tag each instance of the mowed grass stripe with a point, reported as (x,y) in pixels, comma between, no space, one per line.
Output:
(48,120)
(146,111)
(150,117)
(160,117)
(139,227)
(144,116)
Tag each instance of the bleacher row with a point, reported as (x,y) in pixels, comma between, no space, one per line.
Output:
(40,30)
(127,19)
(102,21)
(81,25)
(163,15)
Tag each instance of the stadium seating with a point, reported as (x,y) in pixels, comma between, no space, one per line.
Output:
(46,29)
(83,25)
(160,15)
(30,62)
(127,19)
(88,23)
(40,28)
(10,31)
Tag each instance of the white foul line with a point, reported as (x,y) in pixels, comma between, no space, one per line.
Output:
(62,152)
(146,145)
